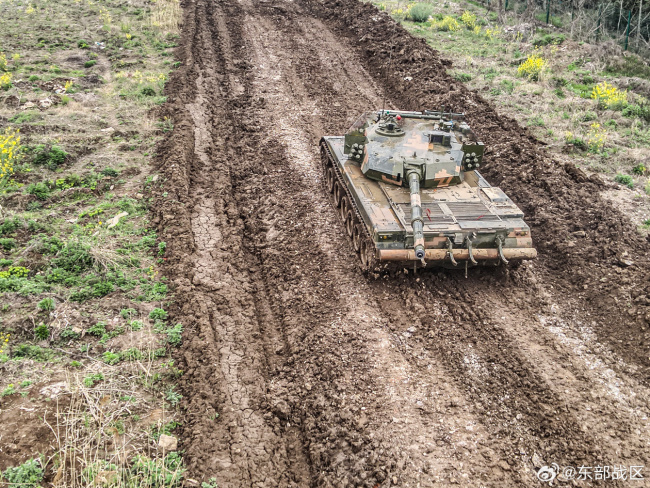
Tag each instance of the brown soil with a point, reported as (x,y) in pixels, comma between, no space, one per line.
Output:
(299,369)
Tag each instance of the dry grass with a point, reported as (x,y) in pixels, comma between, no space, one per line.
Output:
(166,16)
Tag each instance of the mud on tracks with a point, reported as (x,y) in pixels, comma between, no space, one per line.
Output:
(302,371)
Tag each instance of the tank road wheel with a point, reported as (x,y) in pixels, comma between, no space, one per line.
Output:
(367,253)
(349,223)
(363,252)
(345,206)
(356,237)
(338,193)
(330,178)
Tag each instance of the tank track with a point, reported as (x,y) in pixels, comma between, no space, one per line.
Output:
(347,209)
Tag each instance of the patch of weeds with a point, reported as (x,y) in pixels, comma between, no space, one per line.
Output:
(536,122)
(26,383)
(588,116)
(127,313)
(173,396)
(93,379)
(50,156)
(110,172)
(42,331)
(136,325)
(27,475)
(174,335)
(75,364)
(131,354)
(99,329)
(40,190)
(24,117)
(7,243)
(547,39)
(639,169)
(158,314)
(463,77)
(90,64)
(111,358)
(167,429)
(211,483)
(36,353)
(46,304)
(68,334)
(624,180)
(10,225)
(9,390)
(165,473)
(162,247)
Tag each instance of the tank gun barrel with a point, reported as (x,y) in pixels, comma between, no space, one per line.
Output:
(416,214)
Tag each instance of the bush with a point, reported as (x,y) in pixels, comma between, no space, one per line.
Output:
(448,23)
(158,314)
(9,226)
(74,257)
(532,68)
(420,12)
(547,39)
(90,64)
(469,19)
(639,169)
(608,96)
(7,243)
(624,180)
(147,91)
(27,475)
(110,172)
(40,190)
(42,332)
(46,304)
(50,156)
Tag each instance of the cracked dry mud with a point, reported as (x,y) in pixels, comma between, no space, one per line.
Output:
(300,370)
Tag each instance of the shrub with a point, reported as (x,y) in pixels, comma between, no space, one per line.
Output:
(34,78)
(639,169)
(42,332)
(464,77)
(82,44)
(596,138)
(147,91)
(608,96)
(547,39)
(532,68)
(46,304)
(469,19)
(110,357)
(74,257)
(10,152)
(420,12)
(50,156)
(7,243)
(158,314)
(10,225)
(91,380)
(448,23)
(588,116)
(578,142)
(624,180)
(40,190)
(27,475)
(90,64)
(110,172)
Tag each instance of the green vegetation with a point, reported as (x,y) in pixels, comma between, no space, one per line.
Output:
(27,475)
(624,180)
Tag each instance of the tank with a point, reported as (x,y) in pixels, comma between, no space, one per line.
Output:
(408,190)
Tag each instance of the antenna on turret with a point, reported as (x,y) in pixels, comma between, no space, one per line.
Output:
(390,61)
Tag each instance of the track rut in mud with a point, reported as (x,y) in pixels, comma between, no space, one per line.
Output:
(299,369)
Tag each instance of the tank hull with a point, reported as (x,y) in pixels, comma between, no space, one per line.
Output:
(469,223)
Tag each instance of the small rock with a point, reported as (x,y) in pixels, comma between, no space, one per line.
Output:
(580,233)
(108,130)
(110,223)
(168,442)
(28,105)
(538,462)
(45,103)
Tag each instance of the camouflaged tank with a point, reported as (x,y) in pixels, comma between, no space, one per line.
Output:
(407,187)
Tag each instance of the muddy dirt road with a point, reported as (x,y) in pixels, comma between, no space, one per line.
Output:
(302,371)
